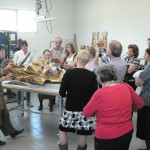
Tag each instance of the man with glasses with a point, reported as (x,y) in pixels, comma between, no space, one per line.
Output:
(101,51)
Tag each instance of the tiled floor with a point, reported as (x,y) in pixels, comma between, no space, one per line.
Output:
(41,131)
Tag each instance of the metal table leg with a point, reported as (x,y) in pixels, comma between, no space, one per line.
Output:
(60,106)
(22,103)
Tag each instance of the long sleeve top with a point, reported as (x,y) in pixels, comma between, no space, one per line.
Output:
(92,65)
(78,86)
(112,106)
(120,66)
(145,92)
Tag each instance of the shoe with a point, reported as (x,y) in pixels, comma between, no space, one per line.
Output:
(82,148)
(16,132)
(143,149)
(29,104)
(40,107)
(50,109)
(2,143)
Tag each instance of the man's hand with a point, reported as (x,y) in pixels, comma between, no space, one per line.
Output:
(60,60)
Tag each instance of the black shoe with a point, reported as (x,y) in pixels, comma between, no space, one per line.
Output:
(2,143)
(143,149)
(16,132)
(50,109)
(40,107)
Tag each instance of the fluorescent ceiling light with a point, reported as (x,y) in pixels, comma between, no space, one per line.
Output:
(43,19)
(40,17)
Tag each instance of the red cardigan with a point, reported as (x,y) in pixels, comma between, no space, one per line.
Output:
(112,106)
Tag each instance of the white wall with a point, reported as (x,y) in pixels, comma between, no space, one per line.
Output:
(124,20)
(63,25)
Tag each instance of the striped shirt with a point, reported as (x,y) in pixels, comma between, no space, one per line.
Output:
(133,60)
(145,77)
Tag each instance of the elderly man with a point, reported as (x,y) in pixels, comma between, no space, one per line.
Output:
(100,46)
(101,51)
(114,51)
(58,52)
(5,123)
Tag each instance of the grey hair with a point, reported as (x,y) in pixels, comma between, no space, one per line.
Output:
(106,73)
(116,48)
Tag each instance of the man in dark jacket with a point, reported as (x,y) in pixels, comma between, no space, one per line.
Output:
(5,123)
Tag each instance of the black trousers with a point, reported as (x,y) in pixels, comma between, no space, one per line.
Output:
(143,123)
(120,143)
(19,96)
(5,123)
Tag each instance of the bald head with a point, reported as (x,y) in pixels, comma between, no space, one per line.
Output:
(100,43)
(58,42)
(115,48)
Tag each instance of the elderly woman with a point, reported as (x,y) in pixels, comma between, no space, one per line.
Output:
(143,120)
(112,105)
(133,64)
(78,86)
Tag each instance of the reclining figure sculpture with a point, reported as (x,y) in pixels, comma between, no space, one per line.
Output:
(36,73)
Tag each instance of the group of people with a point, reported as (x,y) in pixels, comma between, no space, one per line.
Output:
(111,106)
(100,93)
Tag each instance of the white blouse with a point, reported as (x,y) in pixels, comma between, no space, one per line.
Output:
(20,56)
(70,60)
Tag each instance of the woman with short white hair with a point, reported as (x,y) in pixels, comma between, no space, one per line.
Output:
(78,85)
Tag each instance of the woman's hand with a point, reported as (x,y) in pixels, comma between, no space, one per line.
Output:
(97,53)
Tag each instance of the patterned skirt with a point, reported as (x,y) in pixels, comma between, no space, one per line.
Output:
(76,122)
